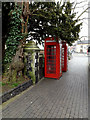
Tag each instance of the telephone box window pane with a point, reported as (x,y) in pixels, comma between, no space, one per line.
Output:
(62,57)
(51,59)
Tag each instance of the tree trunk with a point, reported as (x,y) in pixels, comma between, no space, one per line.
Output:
(3,47)
(17,64)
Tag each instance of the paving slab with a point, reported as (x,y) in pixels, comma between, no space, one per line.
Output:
(51,98)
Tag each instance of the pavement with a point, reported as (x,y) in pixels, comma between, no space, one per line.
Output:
(51,98)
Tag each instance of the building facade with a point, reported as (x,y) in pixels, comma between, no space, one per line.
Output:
(82,46)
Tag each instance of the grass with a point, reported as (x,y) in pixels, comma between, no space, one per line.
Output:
(7,85)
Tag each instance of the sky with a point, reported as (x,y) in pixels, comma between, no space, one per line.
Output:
(80,8)
(83,4)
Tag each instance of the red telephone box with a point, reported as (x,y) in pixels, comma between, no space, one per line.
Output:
(64,57)
(52,58)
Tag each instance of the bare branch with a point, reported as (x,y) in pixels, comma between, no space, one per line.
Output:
(77,4)
(87,12)
(83,18)
(60,2)
(80,2)
(82,37)
(80,6)
(83,12)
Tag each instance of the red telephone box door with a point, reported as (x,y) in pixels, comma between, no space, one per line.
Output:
(51,59)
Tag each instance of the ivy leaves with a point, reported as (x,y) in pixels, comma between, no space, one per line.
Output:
(14,35)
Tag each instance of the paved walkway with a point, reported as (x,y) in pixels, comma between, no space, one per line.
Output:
(64,98)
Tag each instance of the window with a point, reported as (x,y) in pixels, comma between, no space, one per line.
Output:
(81,46)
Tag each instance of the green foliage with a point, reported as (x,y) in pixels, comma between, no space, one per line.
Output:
(70,25)
(14,35)
(45,19)
(41,14)
(15,84)
(2,84)
(56,20)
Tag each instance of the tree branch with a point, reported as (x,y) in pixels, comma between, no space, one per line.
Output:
(77,4)
(80,6)
(83,12)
